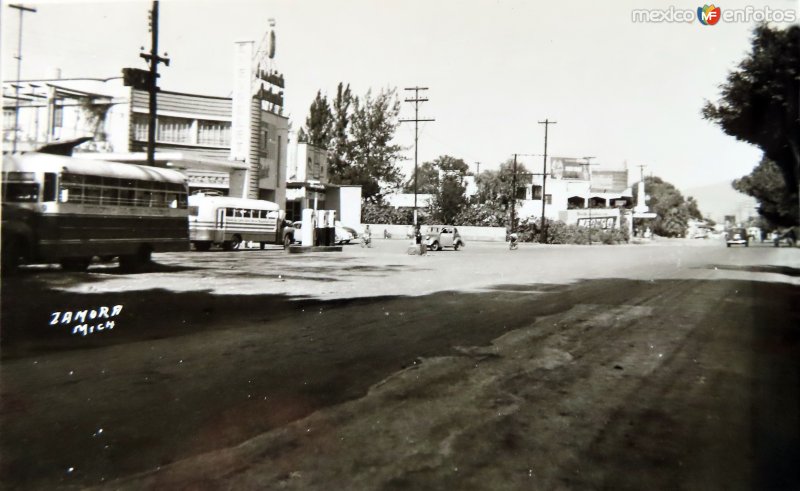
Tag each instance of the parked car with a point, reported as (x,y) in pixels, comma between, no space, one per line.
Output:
(737,236)
(345,234)
(438,237)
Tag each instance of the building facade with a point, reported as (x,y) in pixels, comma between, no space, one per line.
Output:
(575,194)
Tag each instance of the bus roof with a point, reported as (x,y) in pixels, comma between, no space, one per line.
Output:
(42,162)
(229,201)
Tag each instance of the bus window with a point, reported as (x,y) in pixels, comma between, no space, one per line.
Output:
(158,199)
(110,196)
(50,192)
(127,197)
(91,195)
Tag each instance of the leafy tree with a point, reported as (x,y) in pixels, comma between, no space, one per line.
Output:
(319,123)
(766,185)
(672,209)
(490,213)
(693,209)
(427,179)
(339,145)
(302,137)
(496,185)
(371,156)
(449,199)
(428,173)
(760,101)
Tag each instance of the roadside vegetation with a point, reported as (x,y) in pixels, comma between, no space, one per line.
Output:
(760,104)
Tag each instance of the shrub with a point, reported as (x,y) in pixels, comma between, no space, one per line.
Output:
(560,233)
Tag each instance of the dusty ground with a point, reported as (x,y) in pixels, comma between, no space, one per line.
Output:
(671,365)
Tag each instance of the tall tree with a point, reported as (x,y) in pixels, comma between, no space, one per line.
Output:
(669,204)
(775,203)
(427,179)
(339,146)
(372,156)
(496,185)
(449,199)
(760,101)
(319,123)
(428,174)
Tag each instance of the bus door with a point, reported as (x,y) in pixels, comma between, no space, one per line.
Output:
(219,225)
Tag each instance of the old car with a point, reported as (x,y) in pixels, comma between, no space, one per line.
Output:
(737,236)
(345,234)
(438,237)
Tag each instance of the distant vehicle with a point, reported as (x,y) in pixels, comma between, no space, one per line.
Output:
(701,233)
(345,234)
(438,237)
(737,236)
(228,222)
(68,210)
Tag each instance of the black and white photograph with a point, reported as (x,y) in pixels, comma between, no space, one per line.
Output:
(400,245)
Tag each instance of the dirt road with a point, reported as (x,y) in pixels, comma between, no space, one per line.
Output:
(663,366)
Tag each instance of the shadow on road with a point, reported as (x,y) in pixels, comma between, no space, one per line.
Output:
(784,270)
(180,374)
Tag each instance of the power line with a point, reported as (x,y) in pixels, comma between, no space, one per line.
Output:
(416,100)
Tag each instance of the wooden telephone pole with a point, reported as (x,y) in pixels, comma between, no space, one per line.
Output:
(153,59)
(416,100)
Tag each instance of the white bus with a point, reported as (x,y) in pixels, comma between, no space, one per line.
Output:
(68,210)
(228,222)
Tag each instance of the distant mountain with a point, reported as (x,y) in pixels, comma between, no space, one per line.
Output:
(717,200)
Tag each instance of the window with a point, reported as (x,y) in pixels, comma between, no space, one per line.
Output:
(174,130)
(216,133)
(8,119)
(537,191)
(140,127)
(58,116)
(112,191)
(21,192)
(548,199)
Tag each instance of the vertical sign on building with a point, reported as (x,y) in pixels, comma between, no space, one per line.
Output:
(241,114)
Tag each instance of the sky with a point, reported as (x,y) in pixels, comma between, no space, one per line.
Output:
(620,91)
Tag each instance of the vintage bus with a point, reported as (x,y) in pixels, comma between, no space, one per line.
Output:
(228,222)
(67,210)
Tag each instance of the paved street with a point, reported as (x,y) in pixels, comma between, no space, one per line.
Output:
(660,366)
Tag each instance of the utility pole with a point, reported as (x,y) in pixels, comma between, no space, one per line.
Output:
(514,196)
(546,124)
(477,176)
(22,9)
(416,100)
(153,59)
